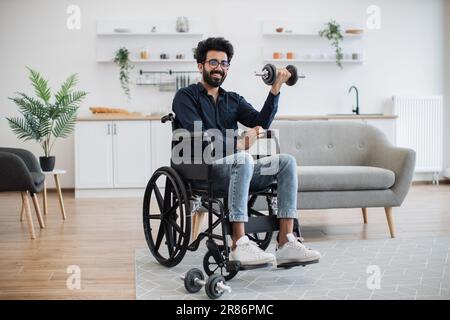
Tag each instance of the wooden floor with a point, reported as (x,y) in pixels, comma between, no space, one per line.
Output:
(100,236)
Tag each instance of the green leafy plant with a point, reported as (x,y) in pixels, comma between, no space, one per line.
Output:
(45,121)
(333,33)
(122,59)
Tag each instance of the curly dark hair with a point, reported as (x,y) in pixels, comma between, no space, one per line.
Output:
(218,44)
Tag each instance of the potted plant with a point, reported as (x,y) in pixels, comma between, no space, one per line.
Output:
(122,59)
(45,121)
(333,33)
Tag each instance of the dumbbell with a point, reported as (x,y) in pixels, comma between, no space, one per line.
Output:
(269,74)
(215,286)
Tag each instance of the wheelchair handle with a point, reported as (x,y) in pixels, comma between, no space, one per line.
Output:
(167,117)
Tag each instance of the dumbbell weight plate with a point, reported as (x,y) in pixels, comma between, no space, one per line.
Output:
(189,283)
(211,286)
(294,75)
(271,74)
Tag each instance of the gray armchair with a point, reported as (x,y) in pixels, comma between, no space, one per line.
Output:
(20,171)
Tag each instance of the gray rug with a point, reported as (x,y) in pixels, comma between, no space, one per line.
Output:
(410,269)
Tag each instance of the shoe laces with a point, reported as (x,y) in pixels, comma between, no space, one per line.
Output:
(297,244)
(252,247)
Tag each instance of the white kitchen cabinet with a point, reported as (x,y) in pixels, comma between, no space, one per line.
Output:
(161,146)
(131,153)
(93,154)
(112,154)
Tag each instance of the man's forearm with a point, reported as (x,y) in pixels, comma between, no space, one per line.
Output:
(275,88)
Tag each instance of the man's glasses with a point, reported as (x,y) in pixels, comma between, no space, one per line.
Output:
(214,63)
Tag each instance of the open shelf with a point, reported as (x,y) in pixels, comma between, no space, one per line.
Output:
(152,34)
(155,60)
(303,40)
(299,34)
(314,60)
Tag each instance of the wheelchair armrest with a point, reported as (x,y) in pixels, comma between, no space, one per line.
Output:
(184,134)
(267,135)
(272,134)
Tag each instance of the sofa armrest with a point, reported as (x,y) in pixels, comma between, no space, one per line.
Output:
(14,173)
(399,160)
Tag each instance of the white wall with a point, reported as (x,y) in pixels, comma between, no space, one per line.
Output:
(404,57)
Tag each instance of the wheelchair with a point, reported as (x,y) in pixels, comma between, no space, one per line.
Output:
(167,223)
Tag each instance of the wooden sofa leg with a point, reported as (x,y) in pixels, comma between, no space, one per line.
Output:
(28,215)
(38,210)
(197,220)
(390,221)
(364,212)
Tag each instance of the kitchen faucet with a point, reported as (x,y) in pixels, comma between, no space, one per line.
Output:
(357,99)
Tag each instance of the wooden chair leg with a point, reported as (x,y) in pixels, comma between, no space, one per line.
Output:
(197,221)
(38,210)
(44,200)
(22,211)
(28,215)
(390,221)
(364,212)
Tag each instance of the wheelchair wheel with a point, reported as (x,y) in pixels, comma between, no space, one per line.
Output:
(166,217)
(211,266)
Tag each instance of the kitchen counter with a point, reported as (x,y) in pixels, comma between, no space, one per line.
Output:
(118,117)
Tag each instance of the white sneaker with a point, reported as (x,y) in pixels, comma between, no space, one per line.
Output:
(248,253)
(295,251)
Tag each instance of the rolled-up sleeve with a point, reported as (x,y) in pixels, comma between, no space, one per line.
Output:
(249,117)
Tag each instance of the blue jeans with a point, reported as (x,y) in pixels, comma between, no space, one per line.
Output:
(240,173)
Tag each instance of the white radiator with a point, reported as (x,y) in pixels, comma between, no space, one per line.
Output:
(420,127)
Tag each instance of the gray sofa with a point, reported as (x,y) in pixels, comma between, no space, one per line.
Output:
(346,165)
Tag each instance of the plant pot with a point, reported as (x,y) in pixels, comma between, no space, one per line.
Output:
(47,163)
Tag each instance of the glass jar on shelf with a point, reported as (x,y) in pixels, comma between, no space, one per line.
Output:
(144,54)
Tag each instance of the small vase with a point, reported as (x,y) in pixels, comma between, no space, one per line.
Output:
(47,163)
(182,24)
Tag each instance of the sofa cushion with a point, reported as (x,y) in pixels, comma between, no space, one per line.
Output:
(341,178)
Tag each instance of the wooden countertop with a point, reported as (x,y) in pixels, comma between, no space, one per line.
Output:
(335,116)
(118,117)
(123,117)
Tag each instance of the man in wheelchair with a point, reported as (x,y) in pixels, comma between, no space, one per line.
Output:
(210,105)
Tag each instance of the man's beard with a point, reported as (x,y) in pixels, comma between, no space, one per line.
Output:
(212,81)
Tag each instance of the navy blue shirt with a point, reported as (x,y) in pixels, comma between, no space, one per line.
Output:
(193,103)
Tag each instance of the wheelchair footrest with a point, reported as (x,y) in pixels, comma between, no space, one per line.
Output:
(289,265)
(256,266)
(237,266)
